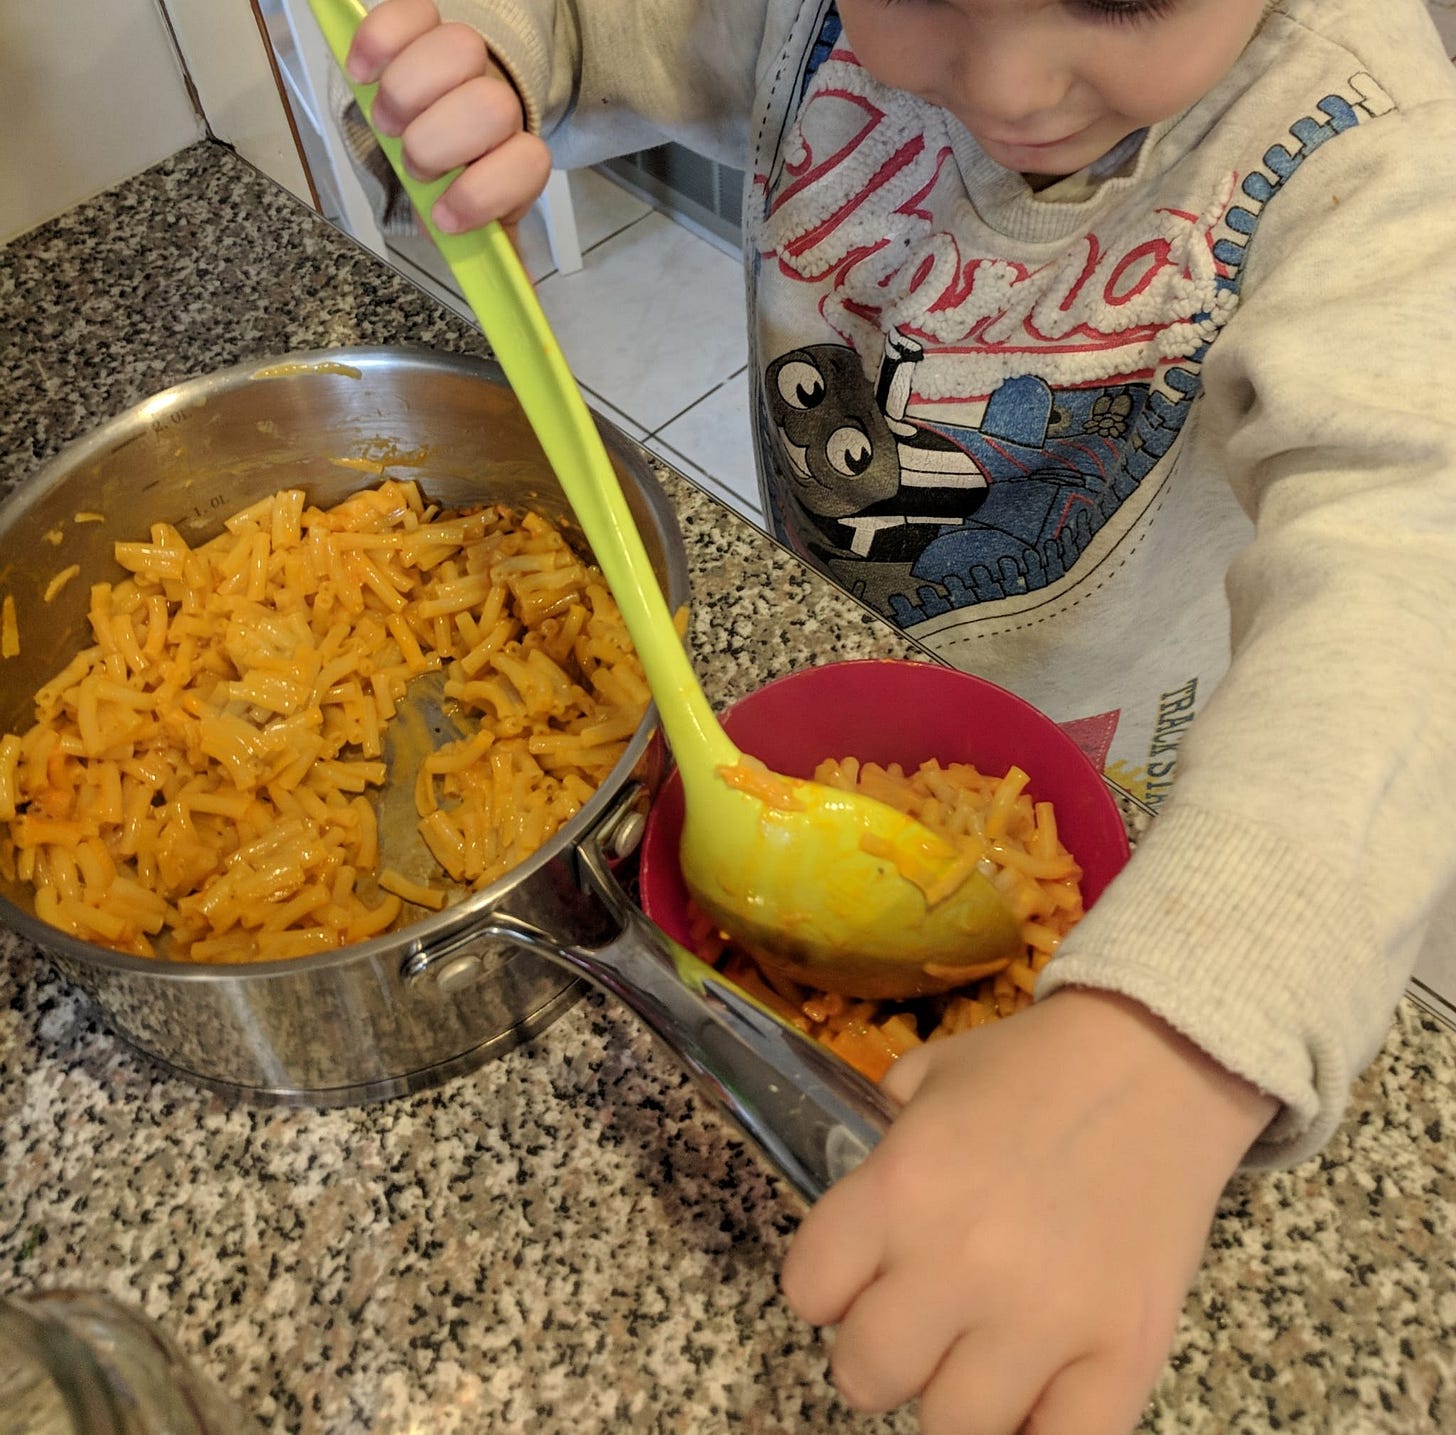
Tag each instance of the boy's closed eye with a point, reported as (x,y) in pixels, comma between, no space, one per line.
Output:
(1126,11)
(1047,87)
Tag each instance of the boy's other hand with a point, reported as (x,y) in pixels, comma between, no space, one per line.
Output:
(451,107)
(1017,1249)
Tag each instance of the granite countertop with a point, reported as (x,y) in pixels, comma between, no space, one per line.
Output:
(566,1239)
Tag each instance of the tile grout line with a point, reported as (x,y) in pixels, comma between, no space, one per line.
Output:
(723,490)
(592,248)
(601,401)
(706,394)
(607,238)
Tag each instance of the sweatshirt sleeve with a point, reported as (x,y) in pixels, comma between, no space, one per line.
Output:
(1274,912)
(604,77)
(599,78)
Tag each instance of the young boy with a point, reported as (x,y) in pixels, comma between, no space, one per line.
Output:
(1097,343)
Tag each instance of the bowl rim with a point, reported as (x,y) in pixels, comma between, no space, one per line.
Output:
(658,847)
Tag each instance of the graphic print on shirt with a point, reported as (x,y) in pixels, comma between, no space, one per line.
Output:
(973,432)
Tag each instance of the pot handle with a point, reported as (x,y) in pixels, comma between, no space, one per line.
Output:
(811,1114)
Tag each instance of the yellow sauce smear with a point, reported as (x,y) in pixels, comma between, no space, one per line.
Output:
(324,366)
(757,781)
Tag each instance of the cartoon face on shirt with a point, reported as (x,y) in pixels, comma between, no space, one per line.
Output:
(1030,483)
(839,451)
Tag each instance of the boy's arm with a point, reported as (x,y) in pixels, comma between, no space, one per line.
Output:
(1274,913)
(605,77)
(1017,1249)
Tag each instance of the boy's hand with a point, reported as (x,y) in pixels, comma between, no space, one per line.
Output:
(1017,1249)
(452,107)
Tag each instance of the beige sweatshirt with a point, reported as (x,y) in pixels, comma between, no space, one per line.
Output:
(1167,448)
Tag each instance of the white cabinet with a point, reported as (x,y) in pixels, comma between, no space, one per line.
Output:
(261,71)
(94,92)
(97,90)
(229,61)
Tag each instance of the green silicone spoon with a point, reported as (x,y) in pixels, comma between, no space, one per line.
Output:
(836,890)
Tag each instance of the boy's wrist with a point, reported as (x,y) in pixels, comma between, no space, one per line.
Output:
(1181,1086)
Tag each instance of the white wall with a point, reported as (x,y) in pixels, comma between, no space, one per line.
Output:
(91,91)
(228,60)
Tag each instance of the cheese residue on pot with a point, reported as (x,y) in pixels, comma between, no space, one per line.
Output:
(198,781)
(9,629)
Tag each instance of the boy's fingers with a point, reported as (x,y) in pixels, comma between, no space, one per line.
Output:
(836,1251)
(438,62)
(892,1338)
(384,32)
(466,124)
(503,185)
(985,1385)
(1092,1396)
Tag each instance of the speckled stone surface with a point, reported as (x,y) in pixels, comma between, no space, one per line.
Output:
(566,1240)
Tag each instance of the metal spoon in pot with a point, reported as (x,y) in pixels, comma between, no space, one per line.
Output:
(831,888)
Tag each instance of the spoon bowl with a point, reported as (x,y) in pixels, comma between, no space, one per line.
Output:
(839,891)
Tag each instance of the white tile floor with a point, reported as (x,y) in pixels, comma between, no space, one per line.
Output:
(653,326)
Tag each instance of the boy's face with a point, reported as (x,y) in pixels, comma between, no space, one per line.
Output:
(1048,86)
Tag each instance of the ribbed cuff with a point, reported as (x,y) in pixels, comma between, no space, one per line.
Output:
(516,44)
(1257,953)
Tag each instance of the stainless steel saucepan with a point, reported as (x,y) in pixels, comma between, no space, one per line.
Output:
(438,996)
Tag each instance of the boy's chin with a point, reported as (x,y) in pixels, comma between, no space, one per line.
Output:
(1044,164)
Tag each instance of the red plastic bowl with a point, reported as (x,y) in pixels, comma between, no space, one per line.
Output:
(891,710)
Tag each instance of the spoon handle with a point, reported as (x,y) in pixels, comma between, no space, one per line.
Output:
(500,294)
(812,1115)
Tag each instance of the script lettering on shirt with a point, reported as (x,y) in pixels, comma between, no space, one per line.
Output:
(859,166)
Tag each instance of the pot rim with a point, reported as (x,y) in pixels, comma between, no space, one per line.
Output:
(451,921)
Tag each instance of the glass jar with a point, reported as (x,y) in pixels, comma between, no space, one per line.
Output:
(80,1363)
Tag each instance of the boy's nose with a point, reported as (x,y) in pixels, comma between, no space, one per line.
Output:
(1008,86)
